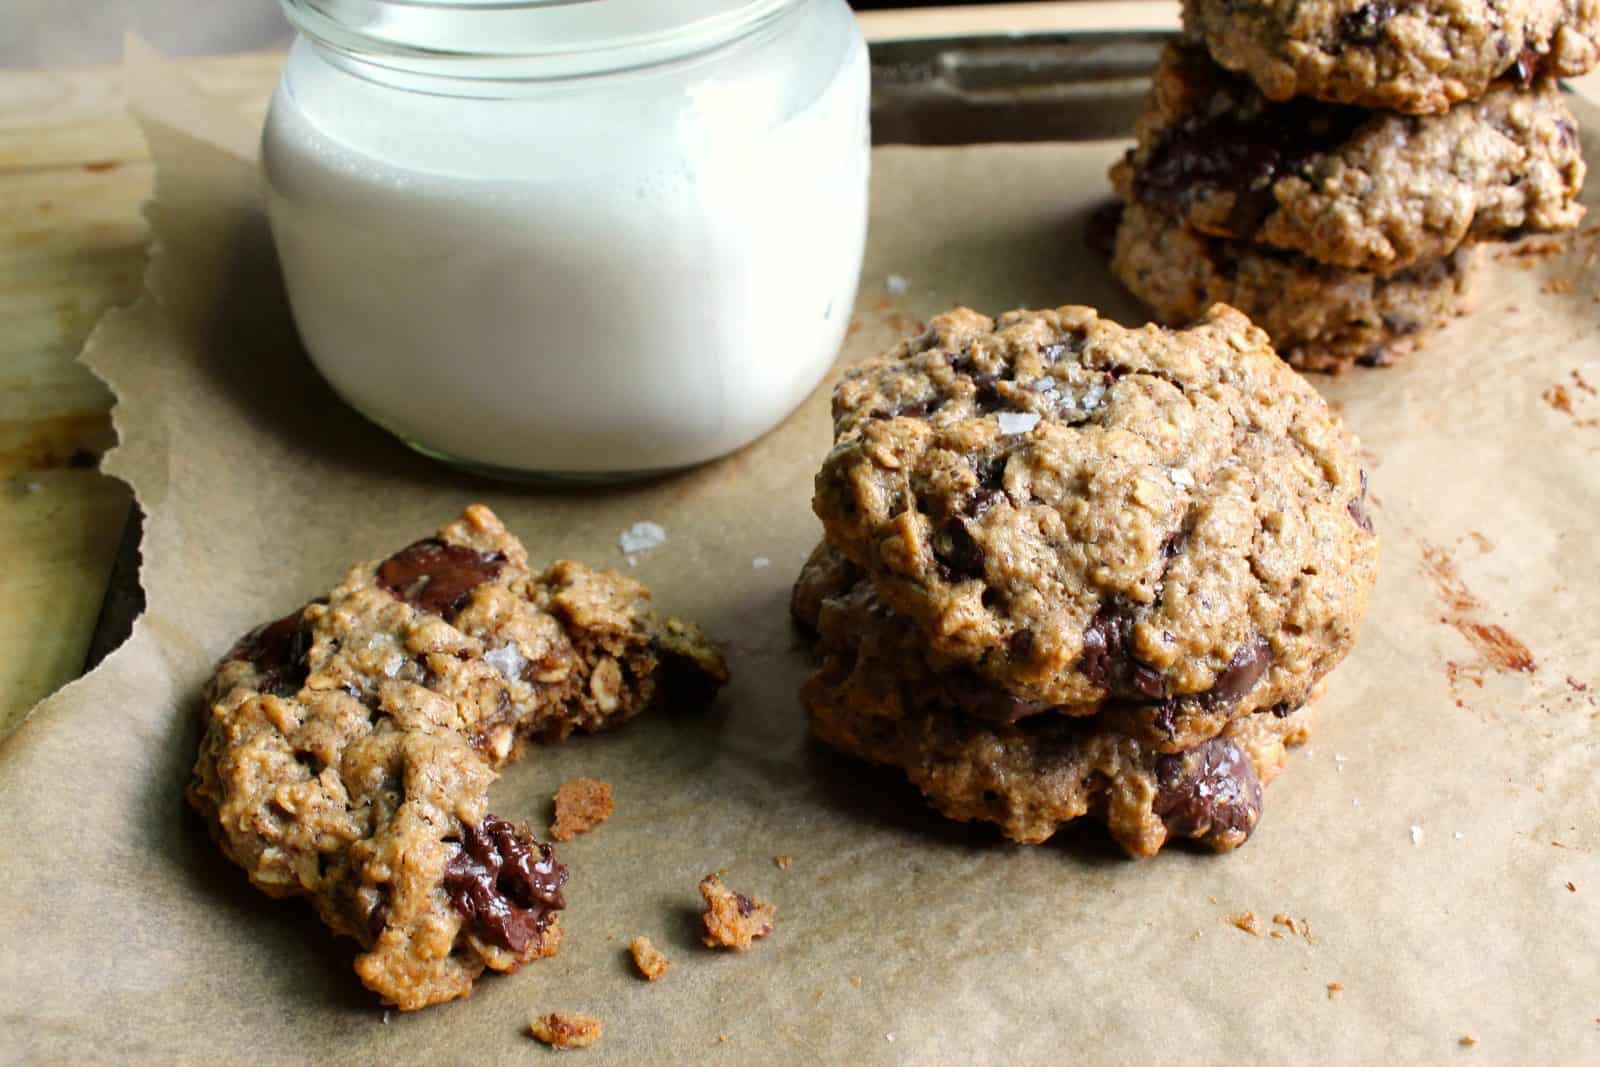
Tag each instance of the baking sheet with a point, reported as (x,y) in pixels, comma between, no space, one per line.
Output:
(1437,838)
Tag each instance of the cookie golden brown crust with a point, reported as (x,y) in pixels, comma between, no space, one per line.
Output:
(1320,318)
(1415,56)
(1362,190)
(1166,525)
(350,746)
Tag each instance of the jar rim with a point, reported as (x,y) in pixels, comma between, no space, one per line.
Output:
(527,40)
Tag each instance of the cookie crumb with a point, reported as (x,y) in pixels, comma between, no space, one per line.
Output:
(649,959)
(1247,921)
(855,980)
(784,862)
(1571,888)
(1468,1040)
(565,1029)
(1334,989)
(642,537)
(581,805)
(733,920)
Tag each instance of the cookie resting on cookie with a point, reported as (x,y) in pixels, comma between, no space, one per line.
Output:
(1078,518)
(1362,190)
(349,747)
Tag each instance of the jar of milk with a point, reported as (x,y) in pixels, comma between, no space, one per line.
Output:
(586,239)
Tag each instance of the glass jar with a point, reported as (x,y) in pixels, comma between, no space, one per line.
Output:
(572,239)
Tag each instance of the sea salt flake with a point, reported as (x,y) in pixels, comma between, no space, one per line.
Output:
(761,563)
(1015,422)
(896,284)
(642,537)
(1092,398)
(1181,476)
(889,1036)
(1459,835)
(1416,835)
(507,659)
(392,665)
(1043,385)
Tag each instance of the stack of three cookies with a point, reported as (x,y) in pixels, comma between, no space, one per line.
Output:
(1075,570)
(1329,168)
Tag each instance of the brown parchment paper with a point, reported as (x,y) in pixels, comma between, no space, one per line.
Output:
(1439,834)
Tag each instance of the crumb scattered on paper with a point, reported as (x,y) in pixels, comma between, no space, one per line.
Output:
(1571,888)
(784,862)
(733,920)
(642,537)
(581,805)
(855,980)
(560,1029)
(1468,1040)
(1247,922)
(651,962)
(1334,989)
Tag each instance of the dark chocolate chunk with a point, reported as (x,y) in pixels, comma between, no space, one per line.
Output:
(1210,791)
(1366,22)
(1526,68)
(1105,645)
(1378,357)
(435,577)
(1244,151)
(1241,674)
(506,884)
(277,650)
(983,700)
(959,556)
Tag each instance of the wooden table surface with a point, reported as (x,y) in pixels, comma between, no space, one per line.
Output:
(74,171)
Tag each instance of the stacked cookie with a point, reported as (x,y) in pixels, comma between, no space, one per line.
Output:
(1330,168)
(1071,569)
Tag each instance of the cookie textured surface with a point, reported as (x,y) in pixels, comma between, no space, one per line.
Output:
(1168,526)
(875,695)
(1416,56)
(1320,318)
(349,747)
(1363,190)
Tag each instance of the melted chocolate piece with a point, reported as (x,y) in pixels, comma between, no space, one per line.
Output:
(1242,152)
(1105,645)
(1365,22)
(1241,674)
(1100,234)
(506,884)
(1209,791)
(1526,68)
(1358,507)
(277,650)
(435,577)
(959,556)
(979,699)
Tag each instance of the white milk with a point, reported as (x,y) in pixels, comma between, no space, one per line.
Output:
(622,273)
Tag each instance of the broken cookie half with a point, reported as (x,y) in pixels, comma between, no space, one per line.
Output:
(349,747)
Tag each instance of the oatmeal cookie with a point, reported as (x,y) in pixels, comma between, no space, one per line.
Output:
(1167,525)
(1415,56)
(1362,190)
(1320,318)
(875,696)
(350,746)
